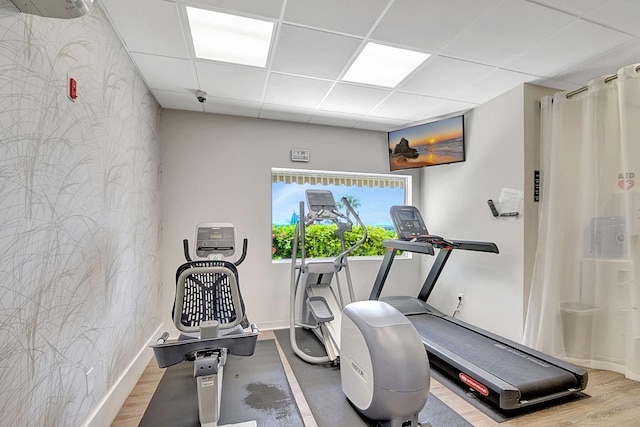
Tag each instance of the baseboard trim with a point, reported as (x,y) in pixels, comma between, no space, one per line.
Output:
(273,325)
(108,408)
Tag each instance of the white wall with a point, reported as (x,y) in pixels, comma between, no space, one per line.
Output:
(79,220)
(455,205)
(217,168)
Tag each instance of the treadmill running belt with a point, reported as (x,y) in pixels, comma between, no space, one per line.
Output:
(532,376)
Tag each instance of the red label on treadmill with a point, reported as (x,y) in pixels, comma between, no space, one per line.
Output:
(474,384)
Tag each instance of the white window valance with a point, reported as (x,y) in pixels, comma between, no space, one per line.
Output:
(295,176)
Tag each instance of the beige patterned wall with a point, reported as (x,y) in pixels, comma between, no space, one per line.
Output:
(79,216)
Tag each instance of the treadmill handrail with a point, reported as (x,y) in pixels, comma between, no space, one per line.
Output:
(427,247)
(469,245)
(409,246)
(421,247)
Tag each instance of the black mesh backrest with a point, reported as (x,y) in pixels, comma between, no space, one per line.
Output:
(207,295)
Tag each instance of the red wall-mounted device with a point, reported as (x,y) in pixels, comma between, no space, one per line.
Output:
(73,88)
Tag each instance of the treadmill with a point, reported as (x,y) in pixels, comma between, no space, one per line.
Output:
(502,372)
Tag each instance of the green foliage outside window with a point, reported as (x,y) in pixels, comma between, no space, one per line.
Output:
(320,241)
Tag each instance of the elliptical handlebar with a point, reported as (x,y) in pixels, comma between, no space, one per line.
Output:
(333,215)
(351,211)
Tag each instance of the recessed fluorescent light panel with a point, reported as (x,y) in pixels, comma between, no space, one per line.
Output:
(230,38)
(383,65)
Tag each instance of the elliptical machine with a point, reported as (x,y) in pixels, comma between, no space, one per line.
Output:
(317,295)
(384,368)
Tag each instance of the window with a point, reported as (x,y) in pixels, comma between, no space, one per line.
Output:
(370,195)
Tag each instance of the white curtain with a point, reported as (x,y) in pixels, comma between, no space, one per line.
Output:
(585,299)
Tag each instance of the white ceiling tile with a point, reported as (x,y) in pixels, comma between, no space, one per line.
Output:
(353,99)
(380,125)
(149,26)
(442,77)
(177,100)
(606,64)
(335,119)
(312,53)
(296,91)
(355,17)
(278,112)
(172,74)
(492,84)
(404,106)
(266,8)
(578,7)
(621,14)
(446,107)
(428,24)
(232,107)
(506,31)
(567,48)
(230,81)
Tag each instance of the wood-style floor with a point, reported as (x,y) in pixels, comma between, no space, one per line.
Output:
(614,401)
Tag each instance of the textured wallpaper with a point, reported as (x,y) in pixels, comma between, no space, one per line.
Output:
(79,216)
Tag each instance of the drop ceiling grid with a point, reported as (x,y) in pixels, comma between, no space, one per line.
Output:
(480,49)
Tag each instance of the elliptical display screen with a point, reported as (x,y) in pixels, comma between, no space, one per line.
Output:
(408,222)
(320,200)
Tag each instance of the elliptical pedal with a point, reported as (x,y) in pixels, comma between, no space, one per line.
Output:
(319,309)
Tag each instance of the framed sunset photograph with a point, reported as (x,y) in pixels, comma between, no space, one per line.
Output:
(435,143)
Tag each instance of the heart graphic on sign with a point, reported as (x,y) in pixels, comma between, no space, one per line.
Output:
(626,184)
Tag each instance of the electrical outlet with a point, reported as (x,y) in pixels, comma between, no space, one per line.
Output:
(90,378)
(460,298)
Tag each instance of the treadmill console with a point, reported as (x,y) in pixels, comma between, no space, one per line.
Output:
(408,222)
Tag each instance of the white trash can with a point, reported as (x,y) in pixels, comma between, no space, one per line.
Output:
(577,328)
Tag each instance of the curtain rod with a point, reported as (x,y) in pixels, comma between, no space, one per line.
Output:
(583,88)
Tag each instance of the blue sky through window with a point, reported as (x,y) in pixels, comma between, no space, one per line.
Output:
(374,201)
